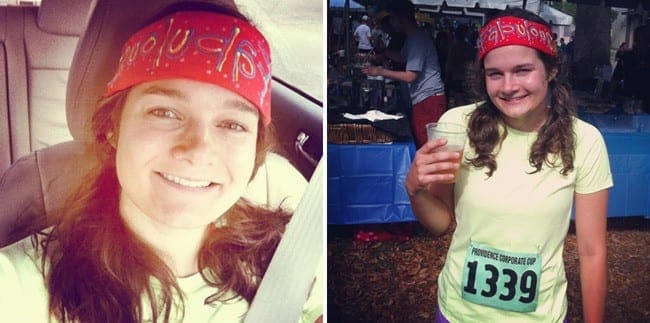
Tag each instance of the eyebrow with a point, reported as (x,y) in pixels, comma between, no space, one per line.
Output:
(234,103)
(160,90)
(526,65)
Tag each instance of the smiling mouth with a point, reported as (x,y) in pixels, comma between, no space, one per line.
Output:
(186,182)
(514,99)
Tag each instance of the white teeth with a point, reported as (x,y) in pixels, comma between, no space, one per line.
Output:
(185,182)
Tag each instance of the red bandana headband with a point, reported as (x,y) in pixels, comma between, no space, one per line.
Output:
(202,46)
(515,31)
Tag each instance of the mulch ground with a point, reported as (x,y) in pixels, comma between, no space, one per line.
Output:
(394,281)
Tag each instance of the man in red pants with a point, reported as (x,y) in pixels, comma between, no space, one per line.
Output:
(422,71)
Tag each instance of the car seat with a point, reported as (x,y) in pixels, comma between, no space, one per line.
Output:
(33,187)
(37,45)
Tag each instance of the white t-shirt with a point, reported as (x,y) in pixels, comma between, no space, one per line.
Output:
(363,34)
(512,222)
(24,297)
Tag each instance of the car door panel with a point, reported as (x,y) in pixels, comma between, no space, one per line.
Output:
(299,125)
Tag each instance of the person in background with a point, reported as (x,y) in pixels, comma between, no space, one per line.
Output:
(636,71)
(159,231)
(527,162)
(363,36)
(621,51)
(422,71)
(569,56)
(618,79)
(562,45)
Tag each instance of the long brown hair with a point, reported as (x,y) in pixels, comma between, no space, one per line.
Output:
(97,270)
(555,137)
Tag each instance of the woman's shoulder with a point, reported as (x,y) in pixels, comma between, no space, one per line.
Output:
(20,255)
(23,289)
(586,133)
(20,262)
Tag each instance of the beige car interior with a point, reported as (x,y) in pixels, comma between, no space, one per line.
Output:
(39,44)
(56,60)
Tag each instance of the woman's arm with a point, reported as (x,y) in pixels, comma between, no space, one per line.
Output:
(432,201)
(431,210)
(591,230)
(404,76)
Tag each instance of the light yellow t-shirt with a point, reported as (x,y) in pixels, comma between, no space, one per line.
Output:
(24,298)
(515,213)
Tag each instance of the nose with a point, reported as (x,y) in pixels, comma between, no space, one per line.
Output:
(510,84)
(195,145)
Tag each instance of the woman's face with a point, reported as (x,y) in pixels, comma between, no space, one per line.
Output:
(185,152)
(517,83)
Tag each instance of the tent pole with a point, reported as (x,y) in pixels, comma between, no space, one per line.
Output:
(346,14)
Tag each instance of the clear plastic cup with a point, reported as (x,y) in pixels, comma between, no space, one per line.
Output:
(456,135)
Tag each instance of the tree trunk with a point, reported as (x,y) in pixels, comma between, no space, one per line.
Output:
(592,43)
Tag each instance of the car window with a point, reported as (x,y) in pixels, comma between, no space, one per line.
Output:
(294,29)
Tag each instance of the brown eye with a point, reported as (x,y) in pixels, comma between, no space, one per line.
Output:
(163,113)
(493,75)
(232,125)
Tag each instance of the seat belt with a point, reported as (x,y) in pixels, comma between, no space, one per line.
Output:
(288,280)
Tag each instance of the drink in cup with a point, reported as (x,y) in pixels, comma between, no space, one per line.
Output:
(456,134)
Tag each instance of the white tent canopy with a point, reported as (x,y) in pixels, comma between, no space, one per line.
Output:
(554,16)
(531,5)
(340,4)
(547,12)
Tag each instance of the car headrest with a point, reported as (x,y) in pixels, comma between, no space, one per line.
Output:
(98,51)
(63,17)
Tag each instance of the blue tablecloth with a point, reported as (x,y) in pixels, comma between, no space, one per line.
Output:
(366,182)
(628,144)
(629,156)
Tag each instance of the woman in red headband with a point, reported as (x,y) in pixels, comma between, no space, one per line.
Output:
(160,231)
(527,162)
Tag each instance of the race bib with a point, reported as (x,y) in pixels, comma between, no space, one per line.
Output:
(501,279)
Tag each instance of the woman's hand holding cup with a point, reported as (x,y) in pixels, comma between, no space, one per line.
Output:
(437,161)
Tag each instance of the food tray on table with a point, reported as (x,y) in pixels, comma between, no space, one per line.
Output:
(354,133)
